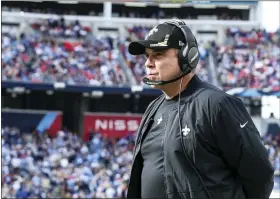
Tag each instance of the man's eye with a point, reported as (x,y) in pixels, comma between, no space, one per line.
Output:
(155,54)
(158,54)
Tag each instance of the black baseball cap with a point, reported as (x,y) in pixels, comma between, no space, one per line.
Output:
(162,36)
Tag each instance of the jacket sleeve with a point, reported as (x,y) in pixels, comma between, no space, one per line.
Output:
(240,145)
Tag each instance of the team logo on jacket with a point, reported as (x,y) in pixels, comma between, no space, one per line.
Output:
(159,120)
(186,130)
(190,139)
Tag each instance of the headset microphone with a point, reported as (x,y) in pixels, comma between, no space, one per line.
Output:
(152,82)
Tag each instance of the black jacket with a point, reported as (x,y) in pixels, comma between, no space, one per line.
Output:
(221,142)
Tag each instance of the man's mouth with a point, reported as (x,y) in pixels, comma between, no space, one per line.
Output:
(151,75)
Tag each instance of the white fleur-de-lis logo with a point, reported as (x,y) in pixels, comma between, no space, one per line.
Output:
(186,130)
(159,120)
(154,30)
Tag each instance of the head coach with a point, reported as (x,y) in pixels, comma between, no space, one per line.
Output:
(194,141)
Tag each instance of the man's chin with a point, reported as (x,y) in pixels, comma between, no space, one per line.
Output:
(156,86)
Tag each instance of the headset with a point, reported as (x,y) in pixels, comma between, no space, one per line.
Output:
(188,59)
(188,56)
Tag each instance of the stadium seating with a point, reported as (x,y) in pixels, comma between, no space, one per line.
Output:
(34,58)
(59,28)
(47,56)
(66,167)
(249,59)
(40,167)
(246,59)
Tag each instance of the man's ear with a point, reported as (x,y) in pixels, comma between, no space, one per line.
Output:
(193,71)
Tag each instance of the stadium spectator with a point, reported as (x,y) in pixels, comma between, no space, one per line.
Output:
(66,167)
(249,59)
(58,28)
(34,59)
(91,61)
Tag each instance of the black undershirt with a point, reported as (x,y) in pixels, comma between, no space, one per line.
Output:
(152,179)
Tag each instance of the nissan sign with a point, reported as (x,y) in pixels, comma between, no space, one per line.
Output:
(110,125)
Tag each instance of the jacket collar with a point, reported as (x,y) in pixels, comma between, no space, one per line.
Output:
(194,83)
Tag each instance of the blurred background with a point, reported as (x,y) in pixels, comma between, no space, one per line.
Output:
(72,96)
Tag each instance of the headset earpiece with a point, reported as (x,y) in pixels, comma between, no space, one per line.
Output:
(193,57)
(188,59)
(189,53)
(183,53)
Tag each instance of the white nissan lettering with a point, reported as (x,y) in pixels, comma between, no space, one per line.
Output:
(120,125)
(101,124)
(111,124)
(132,125)
(116,125)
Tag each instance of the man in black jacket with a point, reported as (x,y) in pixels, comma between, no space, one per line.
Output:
(194,141)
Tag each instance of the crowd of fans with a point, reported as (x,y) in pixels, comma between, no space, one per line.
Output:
(273,147)
(38,166)
(33,58)
(249,59)
(59,28)
(42,57)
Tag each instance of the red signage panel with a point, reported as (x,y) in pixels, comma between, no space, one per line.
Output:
(110,125)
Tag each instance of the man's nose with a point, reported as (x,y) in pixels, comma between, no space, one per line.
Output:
(149,62)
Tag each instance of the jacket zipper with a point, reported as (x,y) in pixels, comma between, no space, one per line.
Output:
(139,140)
(163,162)
(186,154)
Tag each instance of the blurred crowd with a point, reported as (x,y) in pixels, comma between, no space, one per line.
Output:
(38,166)
(43,57)
(249,59)
(59,28)
(34,58)
(273,146)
